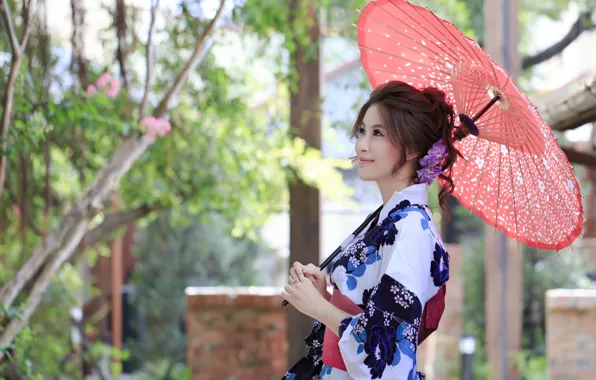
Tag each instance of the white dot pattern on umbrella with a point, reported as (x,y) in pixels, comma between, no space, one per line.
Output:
(515,176)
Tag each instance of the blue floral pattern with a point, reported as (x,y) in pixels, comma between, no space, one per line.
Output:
(388,328)
(439,268)
(381,341)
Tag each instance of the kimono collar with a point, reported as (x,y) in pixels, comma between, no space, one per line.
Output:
(416,194)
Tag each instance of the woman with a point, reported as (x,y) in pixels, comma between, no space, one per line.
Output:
(369,328)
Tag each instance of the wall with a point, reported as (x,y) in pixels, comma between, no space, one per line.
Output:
(571,334)
(236,333)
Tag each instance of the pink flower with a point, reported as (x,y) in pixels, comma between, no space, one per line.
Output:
(156,127)
(16,209)
(103,80)
(91,89)
(114,88)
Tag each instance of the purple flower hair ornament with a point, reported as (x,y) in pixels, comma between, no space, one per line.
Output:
(431,163)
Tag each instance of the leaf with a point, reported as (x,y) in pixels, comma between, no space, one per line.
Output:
(359,271)
(352,283)
(360,349)
(407,347)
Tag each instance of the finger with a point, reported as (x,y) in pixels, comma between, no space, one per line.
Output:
(311,279)
(285,296)
(289,288)
(313,271)
(290,279)
(294,275)
(299,268)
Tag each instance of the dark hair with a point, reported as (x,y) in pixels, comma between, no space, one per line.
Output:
(415,119)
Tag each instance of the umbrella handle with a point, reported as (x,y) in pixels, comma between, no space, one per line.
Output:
(468,125)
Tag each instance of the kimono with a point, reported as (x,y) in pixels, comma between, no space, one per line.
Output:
(390,270)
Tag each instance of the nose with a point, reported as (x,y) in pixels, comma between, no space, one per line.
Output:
(362,144)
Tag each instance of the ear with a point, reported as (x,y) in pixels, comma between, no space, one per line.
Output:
(411,155)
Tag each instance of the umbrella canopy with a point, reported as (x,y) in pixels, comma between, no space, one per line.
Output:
(514,175)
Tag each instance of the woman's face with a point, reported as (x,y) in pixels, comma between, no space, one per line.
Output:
(377,156)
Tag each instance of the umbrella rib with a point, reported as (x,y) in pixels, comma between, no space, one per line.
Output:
(465,165)
(565,194)
(530,208)
(541,204)
(441,22)
(456,39)
(513,194)
(557,161)
(398,74)
(498,188)
(453,54)
(403,59)
(484,165)
(532,130)
(475,95)
(455,58)
(476,101)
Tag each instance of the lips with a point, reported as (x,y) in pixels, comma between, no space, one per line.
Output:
(365,161)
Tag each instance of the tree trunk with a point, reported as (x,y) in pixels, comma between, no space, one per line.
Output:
(503,258)
(305,121)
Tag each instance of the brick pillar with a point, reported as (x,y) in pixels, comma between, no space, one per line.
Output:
(236,333)
(571,334)
(439,353)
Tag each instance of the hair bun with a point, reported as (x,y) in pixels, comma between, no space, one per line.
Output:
(434,95)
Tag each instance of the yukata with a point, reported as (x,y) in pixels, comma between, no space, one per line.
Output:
(390,271)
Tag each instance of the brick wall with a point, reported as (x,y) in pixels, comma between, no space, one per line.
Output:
(236,333)
(587,248)
(571,334)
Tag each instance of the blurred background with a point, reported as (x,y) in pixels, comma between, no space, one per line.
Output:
(163,163)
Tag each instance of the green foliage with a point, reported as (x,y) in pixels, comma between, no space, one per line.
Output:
(172,257)
(540,273)
(531,367)
(36,358)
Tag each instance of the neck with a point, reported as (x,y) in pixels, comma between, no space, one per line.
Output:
(391,185)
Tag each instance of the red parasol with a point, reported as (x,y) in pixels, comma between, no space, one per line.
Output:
(514,175)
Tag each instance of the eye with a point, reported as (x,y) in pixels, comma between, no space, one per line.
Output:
(361,130)
(378,132)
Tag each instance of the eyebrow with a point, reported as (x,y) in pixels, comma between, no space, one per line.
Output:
(374,126)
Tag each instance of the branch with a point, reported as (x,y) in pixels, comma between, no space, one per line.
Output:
(7,16)
(29,10)
(583,23)
(40,286)
(69,233)
(194,60)
(116,220)
(17,54)
(78,14)
(577,157)
(118,164)
(150,60)
(121,35)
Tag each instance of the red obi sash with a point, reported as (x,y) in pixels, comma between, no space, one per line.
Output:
(433,310)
